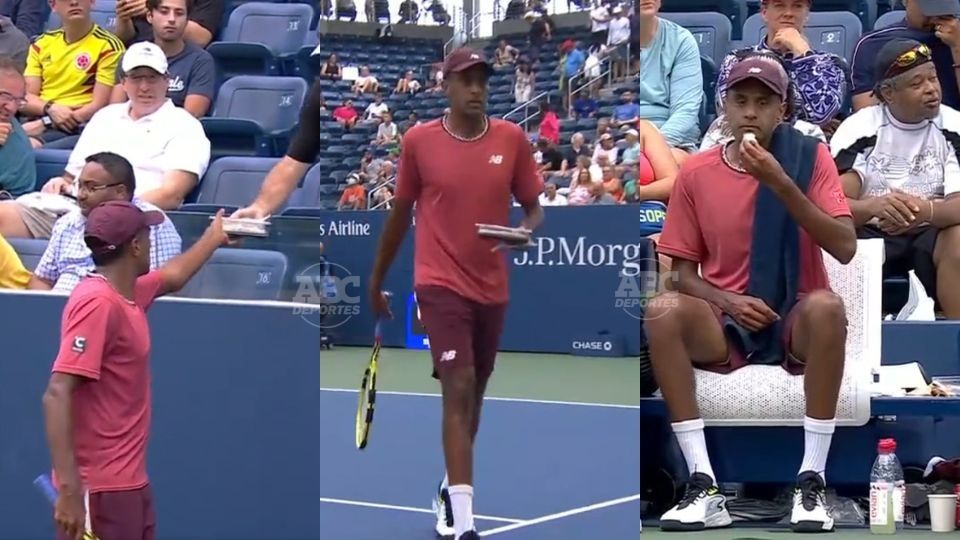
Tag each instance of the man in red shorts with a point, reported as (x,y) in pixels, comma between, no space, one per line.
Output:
(460,170)
(97,403)
(716,321)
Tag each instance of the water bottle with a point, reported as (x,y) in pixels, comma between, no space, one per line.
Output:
(887,490)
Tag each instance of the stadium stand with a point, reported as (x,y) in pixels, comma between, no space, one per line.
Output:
(103,12)
(835,32)
(230,183)
(262,38)
(30,250)
(240,274)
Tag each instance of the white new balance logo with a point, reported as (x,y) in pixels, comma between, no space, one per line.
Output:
(447,356)
(496,159)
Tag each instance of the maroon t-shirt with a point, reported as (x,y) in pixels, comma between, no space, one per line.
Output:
(710,220)
(105,339)
(456,185)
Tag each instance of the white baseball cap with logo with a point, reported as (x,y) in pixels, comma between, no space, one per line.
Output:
(144,54)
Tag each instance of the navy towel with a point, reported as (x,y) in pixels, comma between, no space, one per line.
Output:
(775,252)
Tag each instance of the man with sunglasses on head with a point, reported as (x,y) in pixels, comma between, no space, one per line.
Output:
(900,171)
(934,23)
(105,177)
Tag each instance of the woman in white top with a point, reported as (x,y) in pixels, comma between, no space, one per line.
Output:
(523,85)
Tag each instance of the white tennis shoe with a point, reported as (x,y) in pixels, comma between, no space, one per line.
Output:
(441,506)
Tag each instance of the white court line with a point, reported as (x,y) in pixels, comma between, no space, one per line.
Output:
(410,509)
(508,400)
(561,515)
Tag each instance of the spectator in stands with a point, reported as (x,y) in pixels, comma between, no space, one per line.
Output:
(599,23)
(382,198)
(366,83)
(581,188)
(29,16)
(18,169)
(541,31)
(388,134)
(570,78)
(819,77)
(355,196)
(165,144)
(387,172)
(584,106)
(70,73)
(671,81)
(13,275)
(375,110)
(931,22)
(720,225)
(345,114)
(407,84)
(630,154)
(627,113)
(436,78)
(412,120)
(606,150)
(14,44)
(551,160)
(549,123)
(192,72)
(505,55)
(899,167)
(523,83)
(105,177)
(409,12)
(611,183)
(578,148)
(203,21)
(331,68)
(600,195)
(656,169)
(618,40)
(550,197)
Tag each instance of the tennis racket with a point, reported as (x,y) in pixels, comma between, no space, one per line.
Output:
(45,486)
(368,392)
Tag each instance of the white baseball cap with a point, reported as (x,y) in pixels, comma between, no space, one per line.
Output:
(144,54)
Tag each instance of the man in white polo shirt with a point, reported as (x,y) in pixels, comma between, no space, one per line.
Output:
(165,144)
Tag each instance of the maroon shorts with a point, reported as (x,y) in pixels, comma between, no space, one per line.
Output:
(462,333)
(121,515)
(736,359)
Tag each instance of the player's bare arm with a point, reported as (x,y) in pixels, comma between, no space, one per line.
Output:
(836,235)
(398,223)
(754,314)
(177,272)
(58,413)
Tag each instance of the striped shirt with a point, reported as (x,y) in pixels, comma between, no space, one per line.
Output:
(67,258)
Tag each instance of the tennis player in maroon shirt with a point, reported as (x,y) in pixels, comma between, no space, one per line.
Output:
(97,403)
(460,170)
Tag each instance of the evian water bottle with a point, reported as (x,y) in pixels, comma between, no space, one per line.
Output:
(887,490)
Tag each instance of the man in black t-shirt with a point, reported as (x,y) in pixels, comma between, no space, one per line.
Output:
(551,160)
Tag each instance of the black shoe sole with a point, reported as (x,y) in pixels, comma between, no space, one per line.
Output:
(809,527)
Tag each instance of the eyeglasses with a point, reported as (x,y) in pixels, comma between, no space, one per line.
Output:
(10,98)
(92,188)
(914,56)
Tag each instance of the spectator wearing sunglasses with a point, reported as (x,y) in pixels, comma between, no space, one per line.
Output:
(931,22)
(900,171)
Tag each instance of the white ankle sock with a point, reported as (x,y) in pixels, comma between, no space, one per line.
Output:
(817,435)
(694,446)
(461,499)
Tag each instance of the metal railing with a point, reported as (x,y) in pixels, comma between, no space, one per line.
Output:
(525,107)
(392,183)
(571,92)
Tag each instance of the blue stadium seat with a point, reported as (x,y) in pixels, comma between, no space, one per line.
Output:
(835,31)
(890,18)
(30,250)
(261,38)
(308,195)
(254,115)
(103,12)
(708,108)
(735,10)
(239,274)
(865,10)
(231,182)
(50,163)
(711,30)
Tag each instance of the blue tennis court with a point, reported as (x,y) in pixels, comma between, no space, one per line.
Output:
(543,470)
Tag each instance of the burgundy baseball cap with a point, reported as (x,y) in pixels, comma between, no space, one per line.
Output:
(766,70)
(463,59)
(112,224)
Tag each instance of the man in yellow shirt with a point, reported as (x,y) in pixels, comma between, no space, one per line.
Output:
(12,273)
(70,74)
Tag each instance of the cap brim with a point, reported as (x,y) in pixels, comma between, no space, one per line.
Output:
(131,68)
(152,218)
(467,65)
(761,80)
